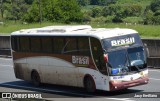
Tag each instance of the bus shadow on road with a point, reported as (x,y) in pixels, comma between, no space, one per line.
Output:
(67,91)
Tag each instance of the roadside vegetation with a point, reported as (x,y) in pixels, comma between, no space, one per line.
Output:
(141,15)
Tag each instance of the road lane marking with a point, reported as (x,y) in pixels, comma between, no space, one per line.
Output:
(120,99)
(154,70)
(154,79)
(5,58)
(6,65)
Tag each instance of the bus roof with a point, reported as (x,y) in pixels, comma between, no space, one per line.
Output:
(74,30)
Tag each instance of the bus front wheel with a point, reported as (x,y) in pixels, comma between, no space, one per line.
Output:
(89,84)
(35,78)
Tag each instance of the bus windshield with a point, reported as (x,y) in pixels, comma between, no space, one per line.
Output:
(125,54)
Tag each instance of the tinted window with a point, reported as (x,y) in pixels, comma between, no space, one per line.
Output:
(14,41)
(83,46)
(70,46)
(97,53)
(58,45)
(46,44)
(35,44)
(24,44)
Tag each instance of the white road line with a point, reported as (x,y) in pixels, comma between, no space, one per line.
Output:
(6,65)
(120,99)
(155,70)
(5,58)
(154,79)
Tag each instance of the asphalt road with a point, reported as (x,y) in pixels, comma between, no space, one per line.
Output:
(8,83)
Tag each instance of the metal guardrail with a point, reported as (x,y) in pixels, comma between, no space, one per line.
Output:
(5,52)
(5,46)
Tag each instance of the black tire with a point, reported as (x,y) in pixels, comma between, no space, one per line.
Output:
(35,78)
(89,84)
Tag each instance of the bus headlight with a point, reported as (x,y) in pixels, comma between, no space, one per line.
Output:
(115,71)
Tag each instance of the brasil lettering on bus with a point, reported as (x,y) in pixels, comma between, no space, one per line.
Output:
(121,42)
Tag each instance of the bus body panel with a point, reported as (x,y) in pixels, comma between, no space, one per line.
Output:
(59,72)
(49,69)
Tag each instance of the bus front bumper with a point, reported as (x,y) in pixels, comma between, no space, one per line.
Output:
(122,85)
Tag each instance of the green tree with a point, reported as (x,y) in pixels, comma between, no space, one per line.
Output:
(15,9)
(33,13)
(152,13)
(155,5)
(106,11)
(52,11)
(156,20)
(55,10)
(111,9)
(106,2)
(133,10)
(96,12)
(29,1)
(70,11)
(119,16)
(102,2)
(2,8)
(84,2)
(157,13)
(94,2)
(149,17)
(118,12)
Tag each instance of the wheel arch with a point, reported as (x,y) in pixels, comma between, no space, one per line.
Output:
(88,76)
(35,71)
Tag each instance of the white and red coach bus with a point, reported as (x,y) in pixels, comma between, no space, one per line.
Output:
(81,56)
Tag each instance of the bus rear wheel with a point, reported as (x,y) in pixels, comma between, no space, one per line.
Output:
(89,84)
(35,78)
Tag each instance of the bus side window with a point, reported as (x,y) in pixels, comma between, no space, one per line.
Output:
(70,46)
(35,44)
(46,44)
(58,45)
(24,44)
(97,53)
(83,46)
(14,42)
